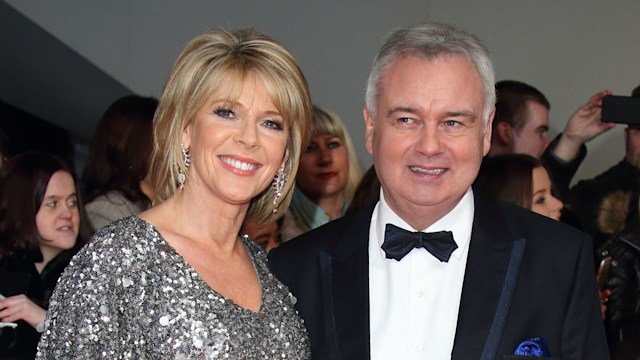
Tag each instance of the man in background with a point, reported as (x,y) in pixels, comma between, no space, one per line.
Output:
(521,126)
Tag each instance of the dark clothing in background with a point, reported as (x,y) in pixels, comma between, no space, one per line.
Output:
(18,275)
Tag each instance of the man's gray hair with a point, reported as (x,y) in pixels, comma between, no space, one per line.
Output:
(430,41)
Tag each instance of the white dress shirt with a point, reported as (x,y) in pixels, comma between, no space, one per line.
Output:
(414,302)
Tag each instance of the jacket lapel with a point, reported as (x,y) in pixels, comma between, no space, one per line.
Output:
(490,275)
(345,282)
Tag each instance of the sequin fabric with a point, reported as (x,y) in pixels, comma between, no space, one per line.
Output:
(129,295)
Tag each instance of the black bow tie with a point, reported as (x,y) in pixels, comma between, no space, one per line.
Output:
(398,242)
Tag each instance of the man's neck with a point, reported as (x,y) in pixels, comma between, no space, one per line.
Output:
(420,217)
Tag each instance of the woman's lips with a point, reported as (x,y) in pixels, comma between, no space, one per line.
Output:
(327,175)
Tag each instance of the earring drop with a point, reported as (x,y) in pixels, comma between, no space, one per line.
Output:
(186,157)
(278,186)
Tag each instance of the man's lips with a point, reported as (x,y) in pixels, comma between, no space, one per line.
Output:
(427,171)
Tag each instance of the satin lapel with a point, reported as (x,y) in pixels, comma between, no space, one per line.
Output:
(346,287)
(490,253)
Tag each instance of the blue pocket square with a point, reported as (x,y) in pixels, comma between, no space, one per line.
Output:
(536,347)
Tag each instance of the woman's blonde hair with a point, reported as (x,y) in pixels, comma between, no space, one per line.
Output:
(228,57)
(326,122)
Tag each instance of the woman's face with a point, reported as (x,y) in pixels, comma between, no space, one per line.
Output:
(324,167)
(543,202)
(58,219)
(268,236)
(236,147)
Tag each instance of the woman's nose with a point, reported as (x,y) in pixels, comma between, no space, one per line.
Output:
(66,211)
(324,155)
(247,135)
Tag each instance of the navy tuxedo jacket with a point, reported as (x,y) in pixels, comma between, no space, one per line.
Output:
(527,276)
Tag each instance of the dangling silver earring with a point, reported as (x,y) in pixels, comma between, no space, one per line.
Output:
(278,186)
(186,157)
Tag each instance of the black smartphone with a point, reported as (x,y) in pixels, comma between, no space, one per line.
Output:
(621,109)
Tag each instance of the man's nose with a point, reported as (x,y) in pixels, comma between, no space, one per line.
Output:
(430,143)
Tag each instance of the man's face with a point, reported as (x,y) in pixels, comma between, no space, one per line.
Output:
(632,145)
(533,138)
(427,138)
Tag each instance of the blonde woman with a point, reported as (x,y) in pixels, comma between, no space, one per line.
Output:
(327,178)
(176,281)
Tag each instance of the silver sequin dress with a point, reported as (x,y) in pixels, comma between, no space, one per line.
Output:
(129,295)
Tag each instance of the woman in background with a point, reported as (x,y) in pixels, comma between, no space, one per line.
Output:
(40,229)
(327,178)
(177,281)
(265,235)
(367,192)
(519,179)
(115,178)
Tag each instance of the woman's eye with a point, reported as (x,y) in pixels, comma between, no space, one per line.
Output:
(310,148)
(51,203)
(540,201)
(334,144)
(225,113)
(72,203)
(273,124)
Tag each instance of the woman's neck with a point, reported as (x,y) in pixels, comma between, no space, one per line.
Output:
(211,222)
(332,205)
(48,254)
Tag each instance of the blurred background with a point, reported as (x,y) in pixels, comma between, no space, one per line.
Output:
(63,62)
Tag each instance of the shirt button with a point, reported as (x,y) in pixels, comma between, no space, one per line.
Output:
(418,348)
(420,294)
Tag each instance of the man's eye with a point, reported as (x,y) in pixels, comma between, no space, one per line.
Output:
(451,123)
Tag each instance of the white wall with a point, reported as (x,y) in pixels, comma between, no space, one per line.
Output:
(568,49)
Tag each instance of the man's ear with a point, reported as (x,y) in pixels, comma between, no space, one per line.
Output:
(368,130)
(503,133)
(488,133)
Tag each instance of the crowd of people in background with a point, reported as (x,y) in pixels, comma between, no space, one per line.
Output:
(182,198)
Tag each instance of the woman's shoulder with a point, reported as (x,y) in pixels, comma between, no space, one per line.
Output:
(125,228)
(122,237)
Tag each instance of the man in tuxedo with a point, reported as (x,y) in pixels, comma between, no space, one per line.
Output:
(489,281)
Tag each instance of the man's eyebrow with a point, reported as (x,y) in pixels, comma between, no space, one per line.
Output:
(463,113)
(405,109)
(455,113)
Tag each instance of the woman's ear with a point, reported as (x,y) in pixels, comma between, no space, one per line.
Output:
(186,137)
(285,159)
